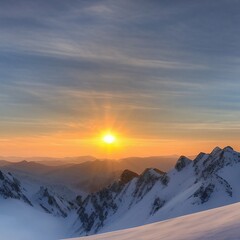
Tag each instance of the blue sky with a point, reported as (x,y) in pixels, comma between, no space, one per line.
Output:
(156,70)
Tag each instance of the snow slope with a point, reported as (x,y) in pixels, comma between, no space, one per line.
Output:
(209,181)
(20,221)
(28,213)
(220,223)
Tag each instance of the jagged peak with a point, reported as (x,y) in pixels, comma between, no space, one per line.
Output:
(216,153)
(199,156)
(150,174)
(158,171)
(228,148)
(152,171)
(216,150)
(184,158)
(127,176)
(182,162)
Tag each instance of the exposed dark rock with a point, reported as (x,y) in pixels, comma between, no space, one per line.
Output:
(215,151)
(1,176)
(48,201)
(225,184)
(45,209)
(145,183)
(165,179)
(228,148)
(10,187)
(159,171)
(79,200)
(127,176)
(182,163)
(157,204)
(204,193)
(198,158)
(102,204)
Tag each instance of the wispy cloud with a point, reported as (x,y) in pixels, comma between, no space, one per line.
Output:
(151,65)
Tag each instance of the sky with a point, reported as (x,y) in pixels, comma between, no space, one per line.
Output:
(162,75)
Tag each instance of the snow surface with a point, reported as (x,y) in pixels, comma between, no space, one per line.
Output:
(21,221)
(220,223)
(209,181)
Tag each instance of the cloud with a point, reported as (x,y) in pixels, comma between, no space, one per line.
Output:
(148,63)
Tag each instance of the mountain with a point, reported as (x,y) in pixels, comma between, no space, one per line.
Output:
(53,203)
(89,176)
(50,161)
(84,177)
(62,161)
(46,198)
(28,168)
(139,164)
(220,223)
(10,187)
(4,163)
(131,200)
(210,180)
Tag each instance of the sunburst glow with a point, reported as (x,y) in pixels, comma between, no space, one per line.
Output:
(109,138)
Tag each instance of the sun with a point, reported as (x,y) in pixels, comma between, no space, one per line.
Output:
(109,138)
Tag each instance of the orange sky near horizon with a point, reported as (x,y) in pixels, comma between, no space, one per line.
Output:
(56,146)
(69,139)
(161,75)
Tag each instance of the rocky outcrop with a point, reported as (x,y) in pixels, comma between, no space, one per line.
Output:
(182,163)
(204,192)
(98,207)
(127,176)
(10,187)
(52,203)
(157,204)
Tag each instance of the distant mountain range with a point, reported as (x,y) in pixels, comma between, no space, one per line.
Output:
(130,198)
(53,161)
(88,176)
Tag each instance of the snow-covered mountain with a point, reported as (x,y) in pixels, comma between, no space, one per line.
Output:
(53,203)
(48,199)
(10,187)
(210,180)
(221,223)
